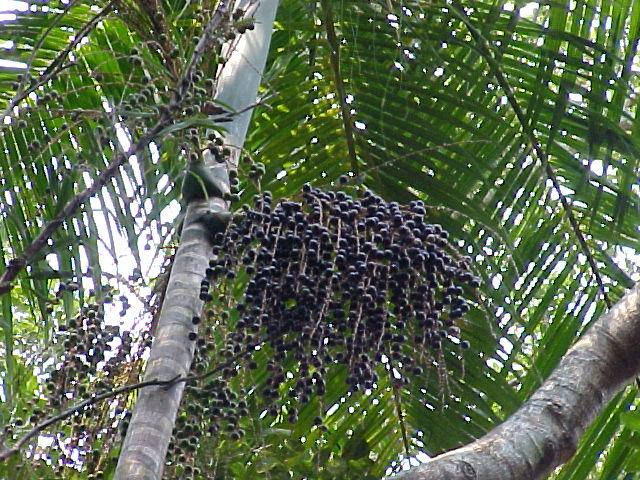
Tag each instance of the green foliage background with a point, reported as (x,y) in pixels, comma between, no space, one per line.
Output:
(475,107)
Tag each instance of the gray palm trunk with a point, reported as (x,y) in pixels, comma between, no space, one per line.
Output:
(145,446)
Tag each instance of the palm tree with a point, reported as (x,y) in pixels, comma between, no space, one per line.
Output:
(156,409)
(514,123)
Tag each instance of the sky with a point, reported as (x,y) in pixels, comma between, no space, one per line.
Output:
(5,7)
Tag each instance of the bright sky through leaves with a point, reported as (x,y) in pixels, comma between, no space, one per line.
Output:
(9,6)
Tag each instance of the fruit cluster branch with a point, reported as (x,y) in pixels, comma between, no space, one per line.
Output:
(99,397)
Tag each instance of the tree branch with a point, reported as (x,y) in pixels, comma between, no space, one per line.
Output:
(6,453)
(16,264)
(546,430)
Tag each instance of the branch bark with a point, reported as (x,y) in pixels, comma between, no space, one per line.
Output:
(545,432)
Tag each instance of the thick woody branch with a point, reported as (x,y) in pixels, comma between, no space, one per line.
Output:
(545,432)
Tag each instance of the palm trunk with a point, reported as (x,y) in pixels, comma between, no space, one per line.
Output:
(145,446)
